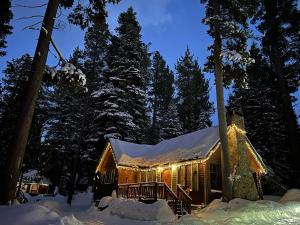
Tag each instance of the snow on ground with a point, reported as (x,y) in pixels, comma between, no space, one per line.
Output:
(292,195)
(54,210)
(46,210)
(243,212)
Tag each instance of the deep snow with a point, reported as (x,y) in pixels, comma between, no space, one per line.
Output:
(54,210)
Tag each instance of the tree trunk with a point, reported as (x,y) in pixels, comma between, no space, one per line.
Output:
(289,117)
(75,161)
(226,167)
(17,148)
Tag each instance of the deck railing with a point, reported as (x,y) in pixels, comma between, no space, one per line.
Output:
(151,191)
(185,199)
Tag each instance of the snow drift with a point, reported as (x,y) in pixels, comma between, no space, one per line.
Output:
(244,212)
(133,209)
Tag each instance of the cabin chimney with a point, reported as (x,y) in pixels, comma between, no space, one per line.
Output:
(236,118)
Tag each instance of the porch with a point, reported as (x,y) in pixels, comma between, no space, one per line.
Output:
(149,192)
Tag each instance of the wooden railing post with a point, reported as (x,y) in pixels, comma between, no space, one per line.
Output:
(155,191)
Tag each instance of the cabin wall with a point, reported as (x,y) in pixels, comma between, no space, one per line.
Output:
(128,176)
(136,176)
(215,159)
(107,162)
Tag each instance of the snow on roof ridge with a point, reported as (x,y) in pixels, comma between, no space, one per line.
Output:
(192,145)
(188,134)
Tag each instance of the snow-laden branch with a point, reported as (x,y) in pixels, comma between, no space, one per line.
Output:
(236,57)
(69,72)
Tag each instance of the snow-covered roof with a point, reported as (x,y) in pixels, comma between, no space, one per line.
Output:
(195,145)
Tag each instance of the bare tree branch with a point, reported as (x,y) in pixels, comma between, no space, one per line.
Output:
(32,26)
(54,46)
(29,17)
(30,7)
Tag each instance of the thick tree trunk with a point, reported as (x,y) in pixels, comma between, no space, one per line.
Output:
(226,167)
(75,162)
(17,149)
(289,117)
(288,111)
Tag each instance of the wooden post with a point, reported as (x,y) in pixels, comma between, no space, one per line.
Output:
(127,191)
(155,191)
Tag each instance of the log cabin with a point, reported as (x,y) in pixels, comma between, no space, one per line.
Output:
(190,163)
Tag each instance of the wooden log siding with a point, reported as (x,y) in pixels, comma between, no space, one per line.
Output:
(158,175)
(108,177)
(189,177)
(174,178)
(181,175)
(195,177)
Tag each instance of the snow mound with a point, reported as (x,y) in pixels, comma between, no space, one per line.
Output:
(104,202)
(28,214)
(292,195)
(239,204)
(190,220)
(215,205)
(244,212)
(135,210)
(70,220)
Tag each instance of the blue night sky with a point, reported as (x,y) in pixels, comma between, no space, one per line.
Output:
(169,25)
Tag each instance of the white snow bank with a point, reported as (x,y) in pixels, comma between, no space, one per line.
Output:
(291,195)
(132,209)
(28,214)
(243,212)
(104,202)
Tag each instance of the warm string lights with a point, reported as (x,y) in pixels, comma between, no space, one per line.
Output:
(173,166)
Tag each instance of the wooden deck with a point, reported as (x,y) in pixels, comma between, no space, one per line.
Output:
(148,192)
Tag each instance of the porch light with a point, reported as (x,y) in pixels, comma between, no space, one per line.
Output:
(174,166)
(159,169)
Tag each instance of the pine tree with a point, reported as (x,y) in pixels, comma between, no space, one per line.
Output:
(67,130)
(14,83)
(261,107)
(123,113)
(170,125)
(160,91)
(5,29)
(194,107)
(96,47)
(281,44)
(228,26)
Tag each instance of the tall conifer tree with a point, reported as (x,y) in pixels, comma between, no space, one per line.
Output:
(161,91)
(280,24)
(260,104)
(123,113)
(14,83)
(194,107)
(228,26)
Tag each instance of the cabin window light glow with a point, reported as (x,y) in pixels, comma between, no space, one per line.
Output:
(174,166)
